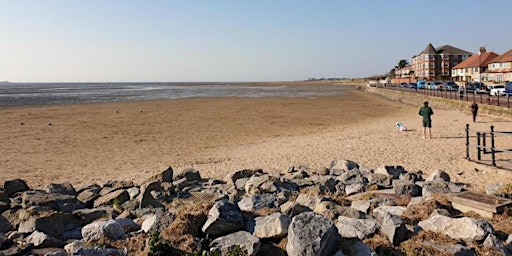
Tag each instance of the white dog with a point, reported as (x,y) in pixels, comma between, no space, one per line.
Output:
(401,127)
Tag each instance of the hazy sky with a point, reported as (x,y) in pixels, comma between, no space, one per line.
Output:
(238,40)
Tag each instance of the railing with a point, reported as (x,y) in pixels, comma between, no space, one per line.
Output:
(481,144)
(496,100)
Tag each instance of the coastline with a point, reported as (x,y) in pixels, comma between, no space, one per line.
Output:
(97,142)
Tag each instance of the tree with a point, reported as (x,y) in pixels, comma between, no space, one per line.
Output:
(401,64)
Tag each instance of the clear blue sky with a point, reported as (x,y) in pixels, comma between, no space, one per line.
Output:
(238,40)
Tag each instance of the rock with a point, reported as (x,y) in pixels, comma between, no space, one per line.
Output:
(61,188)
(88,196)
(42,240)
(238,243)
(330,209)
(58,202)
(415,200)
(272,226)
(309,201)
(116,197)
(12,187)
(47,222)
(223,218)
(128,225)
(145,198)
(133,192)
(109,229)
(231,178)
(158,221)
(49,252)
(337,167)
(354,189)
(465,228)
(292,209)
(354,247)
(189,174)
(438,175)
(114,185)
(406,188)
(100,251)
(379,179)
(393,171)
(257,202)
(312,234)
(395,230)
(165,176)
(356,228)
(86,216)
(431,187)
(381,211)
(352,177)
(450,249)
(361,205)
(410,176)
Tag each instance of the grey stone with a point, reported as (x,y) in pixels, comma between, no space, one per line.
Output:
(245,174)
(393,171)
(61,188)
(165,176)
(410,176)
(42,240)
(14,186)
(312,234)
(292,209)
(354,189)
(451,249)
(352,177)
(393,227)
(331,209)
(88,196)
(109,229)
(381,211)
(309,200)
(145,198)
(356,228)
(361,205)
(223,218)
(113,185)
(241,240)
(116,197)
(402,187)
(415,200)
(431,188)
(133,192)
(272,226)
(379,179)
(189,174)
(128,225)
(47,222)
(86,216)
(157,221)
(438,175)
(100,251)
(354,247)
(257,202)
(458,228)
(337,167)
(59,202)
(49,252)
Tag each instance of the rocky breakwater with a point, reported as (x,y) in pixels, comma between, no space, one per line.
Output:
(342,209)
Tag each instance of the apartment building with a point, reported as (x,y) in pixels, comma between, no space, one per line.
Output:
(437,63)
(474,68)
(499,69)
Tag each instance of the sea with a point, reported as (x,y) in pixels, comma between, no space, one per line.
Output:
(21,94)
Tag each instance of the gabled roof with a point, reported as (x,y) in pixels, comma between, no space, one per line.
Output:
(429,50)
(506,57)
(476,60)
(450,50)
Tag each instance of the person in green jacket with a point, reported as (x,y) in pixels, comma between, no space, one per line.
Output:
(426,112)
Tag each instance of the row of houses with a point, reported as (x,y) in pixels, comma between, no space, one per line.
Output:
(451,63)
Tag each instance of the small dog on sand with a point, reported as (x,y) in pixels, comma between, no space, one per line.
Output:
(401,127)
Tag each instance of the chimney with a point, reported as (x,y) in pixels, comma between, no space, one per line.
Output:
(482,50)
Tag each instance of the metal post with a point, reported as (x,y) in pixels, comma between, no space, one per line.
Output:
(492,146)
(467,141)
(478,150)
(484,143)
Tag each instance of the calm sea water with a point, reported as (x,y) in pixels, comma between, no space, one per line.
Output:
(16,94)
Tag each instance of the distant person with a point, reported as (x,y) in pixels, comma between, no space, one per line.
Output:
(474,110)
(426,112)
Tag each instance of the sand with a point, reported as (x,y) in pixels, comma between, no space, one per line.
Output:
(94,143)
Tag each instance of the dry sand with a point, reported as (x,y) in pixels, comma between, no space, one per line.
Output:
(94,143)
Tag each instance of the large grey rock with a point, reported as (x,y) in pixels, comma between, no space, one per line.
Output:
(431,188)
(458,228)
(257,202)
(128,224)
(450,249)
(238,243)
(86,216)
(381,211)
(158,221)
(88,195)
(109,229)
(402,187)
(59,202)
(231,178)
(189,174)
(394,228)
(438,175)
(13,186)
(361,205)
(223,218)
(337,167)
(393,171)
(354,247)
(272,226)
(292,208)
(354,189)
(42,240)
(312,234)
(113,185)
(145,198)
(61,188)
(165,176)
(352,177)
(116,197)
(47,222)
(356,228)
(379,179)
(309,200)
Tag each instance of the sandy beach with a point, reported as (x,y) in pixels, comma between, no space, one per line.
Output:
(94,143)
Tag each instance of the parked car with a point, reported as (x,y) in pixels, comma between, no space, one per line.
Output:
(421,84)
(412,85)
(403,85)
(450,86)
(496,89)
(430,85)
(476,88)
(508,89)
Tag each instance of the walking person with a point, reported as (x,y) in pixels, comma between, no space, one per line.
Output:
(474,110)
(426,112)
